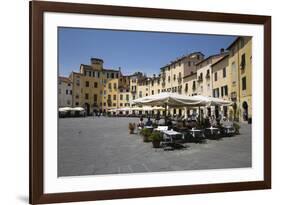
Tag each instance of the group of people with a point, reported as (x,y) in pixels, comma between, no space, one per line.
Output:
(189,122)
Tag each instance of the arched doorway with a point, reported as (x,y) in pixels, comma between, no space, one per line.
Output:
(87,108)
(245,110)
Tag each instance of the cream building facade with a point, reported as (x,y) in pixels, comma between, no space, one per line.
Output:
(226,75)
(64,92)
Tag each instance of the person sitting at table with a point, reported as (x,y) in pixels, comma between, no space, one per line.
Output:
(225,122)
(169,124)
(157,118)
(141,124)
(213,121)
(148,122)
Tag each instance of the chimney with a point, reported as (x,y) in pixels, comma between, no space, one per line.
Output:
(222,50)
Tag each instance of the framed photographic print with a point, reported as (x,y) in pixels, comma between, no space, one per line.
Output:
(138,102)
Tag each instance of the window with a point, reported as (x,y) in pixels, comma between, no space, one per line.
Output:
(86,96)
(66,92)
(109,86)
(169,78)
(77,103)
(224,72)
(158,90)
(234,72)
(77,96)
(68,102)
(140,94)
(114,97)
(174,77)
(222,89)
(78,82)
(107,75)
(244,83)
(225,90)
(87,83)
(186,87)
(117,75)
(121,104)
(216,76)
(95,84)
(152,92)
(95,98)
(127,97)
(94,74)
(121,97)
(112,75)
(70,92)
(243,61)
(109,97)
(189,63)
(114,86)
(98,74)
(90,73)
(216,93)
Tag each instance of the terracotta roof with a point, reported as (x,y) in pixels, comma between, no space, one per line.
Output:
(65,79)
(211,56)
(179,59)
(220,60)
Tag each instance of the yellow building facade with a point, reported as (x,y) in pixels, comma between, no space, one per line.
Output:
(227,75)
(240,60)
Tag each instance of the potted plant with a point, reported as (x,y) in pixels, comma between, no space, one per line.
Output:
(156,138)
(237,128)
(132,127)
(145,132)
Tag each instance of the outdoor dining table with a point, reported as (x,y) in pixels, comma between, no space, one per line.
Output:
(148,127)
(213,130)
(170,136)
(228,129)
(195,131)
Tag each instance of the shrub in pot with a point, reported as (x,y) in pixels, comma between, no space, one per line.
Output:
(145,132)
(132,127)
(237,128)
(155,138)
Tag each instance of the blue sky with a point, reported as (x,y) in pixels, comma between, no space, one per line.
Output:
(132,51)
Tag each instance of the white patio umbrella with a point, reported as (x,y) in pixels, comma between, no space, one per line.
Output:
(78,109)
(167,99)
(64,109)
(211,101)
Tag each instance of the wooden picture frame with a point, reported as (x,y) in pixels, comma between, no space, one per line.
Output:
(37,9)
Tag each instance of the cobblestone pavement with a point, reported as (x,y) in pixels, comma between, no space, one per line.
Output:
(102,145)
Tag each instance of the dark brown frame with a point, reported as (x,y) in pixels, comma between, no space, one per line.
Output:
(36,193)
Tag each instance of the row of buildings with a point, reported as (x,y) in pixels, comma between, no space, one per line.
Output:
(226,75)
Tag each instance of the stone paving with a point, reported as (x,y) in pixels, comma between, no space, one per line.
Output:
(103,145)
